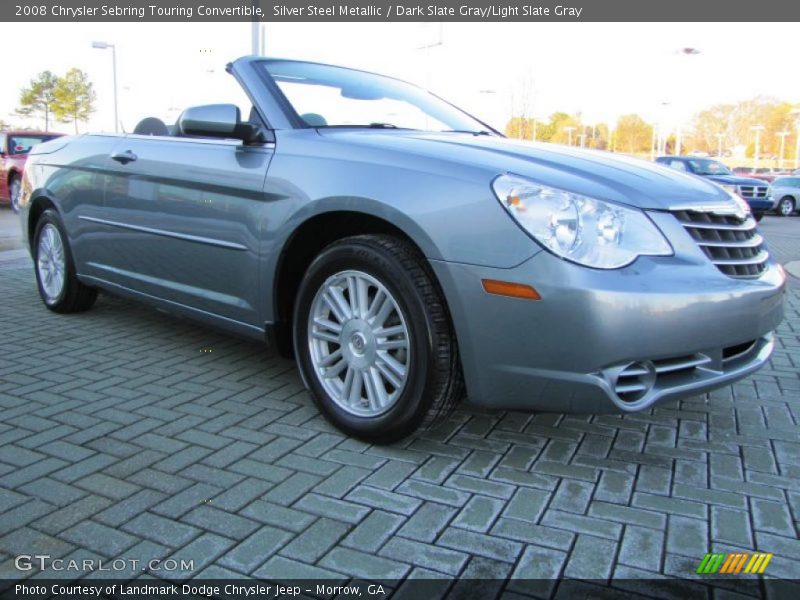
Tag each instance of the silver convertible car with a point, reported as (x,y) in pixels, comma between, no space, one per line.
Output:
(407,254)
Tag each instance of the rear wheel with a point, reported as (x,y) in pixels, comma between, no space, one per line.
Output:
(786,206)
(14,187)
(374,340)
(59,288)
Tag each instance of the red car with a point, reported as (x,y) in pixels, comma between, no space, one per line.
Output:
(763,173)
(14,148)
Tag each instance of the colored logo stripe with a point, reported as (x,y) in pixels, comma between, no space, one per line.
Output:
(758,563)
(734,562)
(710,563)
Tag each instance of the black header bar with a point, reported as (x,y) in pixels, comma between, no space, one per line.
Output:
(399,10)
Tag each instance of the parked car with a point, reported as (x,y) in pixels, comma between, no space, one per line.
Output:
(786,195)
(14,149)
(767,174)
(754,191)
(404,252)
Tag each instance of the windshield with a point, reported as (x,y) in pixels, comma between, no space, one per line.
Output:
(709,167)
(326,96)
(22,144)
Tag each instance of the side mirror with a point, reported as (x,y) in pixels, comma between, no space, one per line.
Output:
(220,121)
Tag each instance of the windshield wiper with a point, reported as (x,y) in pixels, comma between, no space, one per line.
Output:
(479,132)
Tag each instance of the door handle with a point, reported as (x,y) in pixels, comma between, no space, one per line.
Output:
(124,157)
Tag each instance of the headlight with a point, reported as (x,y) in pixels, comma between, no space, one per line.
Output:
(590,232)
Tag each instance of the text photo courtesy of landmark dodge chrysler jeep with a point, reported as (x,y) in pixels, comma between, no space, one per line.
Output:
(407,254)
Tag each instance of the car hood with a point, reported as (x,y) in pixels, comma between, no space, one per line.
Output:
(593,173)
(735,180)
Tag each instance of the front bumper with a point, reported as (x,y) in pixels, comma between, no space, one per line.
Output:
(610,341)
(759,205)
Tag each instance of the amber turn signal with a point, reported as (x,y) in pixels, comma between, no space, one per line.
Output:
(514,290)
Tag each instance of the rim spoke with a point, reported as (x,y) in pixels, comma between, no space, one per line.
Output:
(334,306)
(380,389)
(344,394)
(362,297)
(335,294)
(334,371)
(385,332)
(355,389)
(331,358)
(325,336)
(372,394)
(388,375)
(383,313)
(328,324)
(392,344)
(396,366)
(376,303)
(352,294)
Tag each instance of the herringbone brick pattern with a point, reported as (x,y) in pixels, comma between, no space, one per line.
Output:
(126,433)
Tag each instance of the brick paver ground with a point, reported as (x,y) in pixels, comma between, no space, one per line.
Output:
(127,433)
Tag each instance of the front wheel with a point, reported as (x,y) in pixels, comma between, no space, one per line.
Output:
(786,206)
(59,287)
(14,187)
(373,339)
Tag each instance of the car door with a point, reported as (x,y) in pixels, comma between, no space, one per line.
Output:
(182,220)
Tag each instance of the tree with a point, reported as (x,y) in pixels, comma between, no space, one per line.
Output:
(39,96)
(734,124)
(556,131)
(633,134)
(74,98)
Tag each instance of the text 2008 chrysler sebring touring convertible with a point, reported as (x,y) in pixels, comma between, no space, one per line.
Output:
(406,253)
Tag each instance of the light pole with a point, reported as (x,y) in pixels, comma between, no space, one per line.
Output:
(104,46)
(719,137)
(427,48)
(758,129)
(782,135)
(569,131)
(663,130)
(678,126)
(653,142)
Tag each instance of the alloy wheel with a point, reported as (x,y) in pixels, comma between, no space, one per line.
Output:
(14,189)
(51,262)
(359,343)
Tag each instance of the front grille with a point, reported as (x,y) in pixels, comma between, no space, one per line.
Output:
(753,191)
(732,244)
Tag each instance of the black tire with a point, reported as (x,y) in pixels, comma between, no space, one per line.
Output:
(758,216)
(434,381)
(14,187)
(73,296)
(785,206)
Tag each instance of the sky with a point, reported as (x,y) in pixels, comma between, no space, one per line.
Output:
(602,70)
